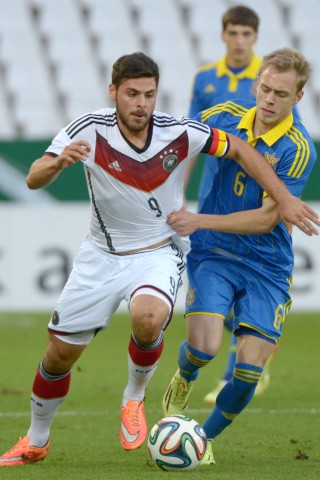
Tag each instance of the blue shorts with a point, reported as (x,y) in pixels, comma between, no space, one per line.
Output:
(218,282)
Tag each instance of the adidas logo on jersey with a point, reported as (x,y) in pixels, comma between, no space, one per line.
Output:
(115,165)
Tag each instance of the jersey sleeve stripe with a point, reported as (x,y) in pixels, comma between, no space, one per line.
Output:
(302,155)
(165,121)
(229,107)
(75,127)
(195,124)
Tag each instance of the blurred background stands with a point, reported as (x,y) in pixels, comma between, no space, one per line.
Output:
(56,56)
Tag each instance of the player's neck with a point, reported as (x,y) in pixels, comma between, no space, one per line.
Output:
(233,62)
(259,128)
(137,138)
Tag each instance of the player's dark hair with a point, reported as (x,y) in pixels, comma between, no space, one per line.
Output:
(286,59)
(134,65)
(241,15)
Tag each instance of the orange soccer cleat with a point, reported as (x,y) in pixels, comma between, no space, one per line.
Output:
(133,429)
(22,453)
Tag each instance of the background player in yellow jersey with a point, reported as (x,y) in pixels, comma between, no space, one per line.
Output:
(231,77)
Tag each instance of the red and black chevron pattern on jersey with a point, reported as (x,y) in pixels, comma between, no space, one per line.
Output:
(145,176)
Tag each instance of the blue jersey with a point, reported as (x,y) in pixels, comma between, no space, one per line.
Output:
(291,152)
(216,83)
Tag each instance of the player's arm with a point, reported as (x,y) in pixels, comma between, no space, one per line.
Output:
(291,209)
(46,169)
(259,221)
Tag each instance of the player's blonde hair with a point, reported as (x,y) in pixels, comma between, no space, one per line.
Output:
(287,59)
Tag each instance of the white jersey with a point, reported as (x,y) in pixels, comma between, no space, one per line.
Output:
(133,190)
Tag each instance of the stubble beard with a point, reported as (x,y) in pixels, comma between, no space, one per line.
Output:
(131,125)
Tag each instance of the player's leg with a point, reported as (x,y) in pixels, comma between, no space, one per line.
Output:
(260,315)
(158,275)
(50,389)
(208,301)
(148,315)
(85,305)
(204,339)
(264,382)
(253,352)
(228,324)
(265,379)
(210,397)
(258,330)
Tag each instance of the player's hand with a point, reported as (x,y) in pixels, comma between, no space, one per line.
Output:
(300,214)
(71,154)
(183,223)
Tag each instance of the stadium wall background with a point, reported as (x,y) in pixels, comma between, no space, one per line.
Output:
(71,185)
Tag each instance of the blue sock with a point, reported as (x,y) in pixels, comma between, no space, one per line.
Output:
(233,398)
(190,360)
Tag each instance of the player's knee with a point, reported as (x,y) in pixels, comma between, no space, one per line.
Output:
(209,346)
(148,318)
(60,356)
(146,327)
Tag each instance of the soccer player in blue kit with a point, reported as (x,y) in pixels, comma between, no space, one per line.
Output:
(241,253)
(231,77)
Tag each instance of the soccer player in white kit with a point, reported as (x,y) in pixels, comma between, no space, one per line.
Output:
(134,159)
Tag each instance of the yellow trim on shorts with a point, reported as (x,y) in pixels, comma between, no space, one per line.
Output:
(205,313)
(276,340)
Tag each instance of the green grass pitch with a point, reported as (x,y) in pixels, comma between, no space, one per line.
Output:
(277,437)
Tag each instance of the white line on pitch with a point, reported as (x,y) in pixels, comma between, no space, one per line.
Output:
(79,413)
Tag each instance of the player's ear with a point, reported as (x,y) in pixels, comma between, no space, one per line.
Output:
(112,92)
(299,97)
(256,82)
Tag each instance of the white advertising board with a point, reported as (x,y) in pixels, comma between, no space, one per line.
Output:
(38,244)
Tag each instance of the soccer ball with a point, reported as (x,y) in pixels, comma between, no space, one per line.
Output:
(177,442)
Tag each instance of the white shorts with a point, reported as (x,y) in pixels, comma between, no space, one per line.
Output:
(99,281)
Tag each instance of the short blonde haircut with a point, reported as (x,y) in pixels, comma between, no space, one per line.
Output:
(287,59)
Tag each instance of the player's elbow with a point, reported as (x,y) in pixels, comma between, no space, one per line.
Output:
(31,184)
(34,182)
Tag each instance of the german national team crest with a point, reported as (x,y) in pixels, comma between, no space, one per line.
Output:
(170,162)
